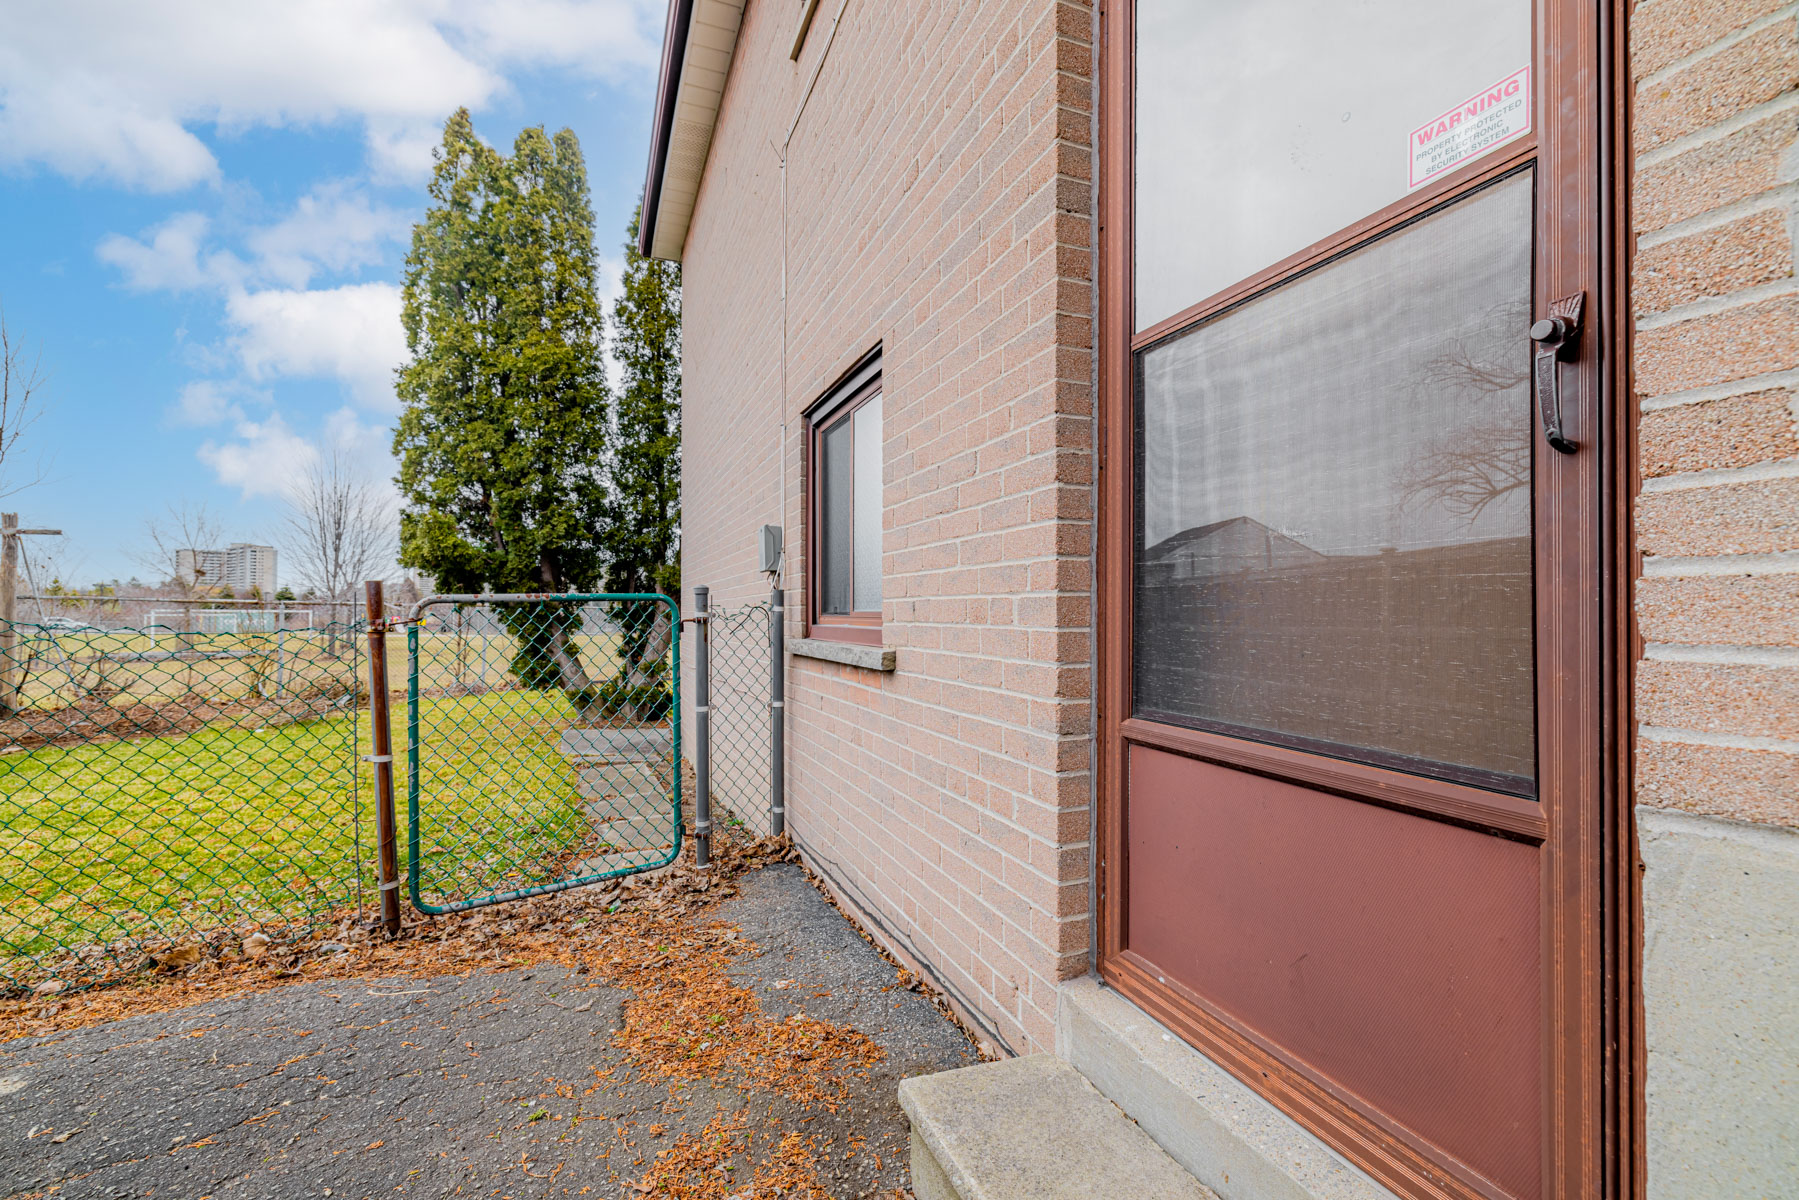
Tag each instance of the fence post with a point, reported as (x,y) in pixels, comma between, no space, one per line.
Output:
(702,727)
(777,713)
(381,734)
(9,591)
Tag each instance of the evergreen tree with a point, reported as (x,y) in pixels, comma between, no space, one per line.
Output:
(643,539)
(501,437)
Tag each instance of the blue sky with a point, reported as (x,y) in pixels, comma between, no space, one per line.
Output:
(204,211)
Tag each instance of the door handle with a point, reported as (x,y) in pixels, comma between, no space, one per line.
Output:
(1557,339)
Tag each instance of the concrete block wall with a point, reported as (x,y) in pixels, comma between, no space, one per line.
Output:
(1715,134)
(939,205)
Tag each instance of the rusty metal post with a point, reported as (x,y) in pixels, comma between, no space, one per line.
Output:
(9,592)
(10,533)
(381,736)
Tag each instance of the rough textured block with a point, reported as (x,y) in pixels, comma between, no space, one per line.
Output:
(1748,252)
(1748,72)
(1757,786)
(1033,1129)
(1731,168)
(1734,431)
(1665,31)
(1749,340)
(1720,954)
(1726,698)
(1739,518)
(1719,610)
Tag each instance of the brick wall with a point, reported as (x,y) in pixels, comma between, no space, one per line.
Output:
(1716,369)
(939,205)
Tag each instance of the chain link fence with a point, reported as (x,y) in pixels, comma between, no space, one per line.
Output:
(542,733)
(161,787)
(167,791)
(741,776)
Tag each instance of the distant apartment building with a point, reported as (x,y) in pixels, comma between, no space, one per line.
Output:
(241,567)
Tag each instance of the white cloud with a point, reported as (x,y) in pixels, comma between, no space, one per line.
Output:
(207,402)
(368,447)
(171,259)
(112,89)
(609,282)
(264,458)
(350,333)
(334,228)
(268,457)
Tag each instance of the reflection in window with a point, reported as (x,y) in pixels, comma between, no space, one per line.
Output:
(1334,506)
(849,511)
(1265,125)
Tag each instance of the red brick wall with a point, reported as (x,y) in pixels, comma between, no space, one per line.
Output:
(938,204)
(1715,122)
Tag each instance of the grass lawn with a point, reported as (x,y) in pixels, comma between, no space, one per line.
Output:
(152,838)
(149,838)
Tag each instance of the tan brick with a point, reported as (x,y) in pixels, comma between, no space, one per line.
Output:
(1751,71)
(1723,698)
(1665,31)
(1733,431)
(939,204)
(1719,610)
(1744,785)
(1731,168)
(1749,340)
(1742,518)
(1753,250)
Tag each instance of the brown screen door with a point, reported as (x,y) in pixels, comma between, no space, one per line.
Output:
(1352,569)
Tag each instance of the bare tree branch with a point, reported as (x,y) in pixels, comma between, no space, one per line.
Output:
(1476,467)
(20,406)
(181,527)
(339,528)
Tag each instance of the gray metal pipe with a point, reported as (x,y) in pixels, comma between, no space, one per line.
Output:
(777,713)
(702,727)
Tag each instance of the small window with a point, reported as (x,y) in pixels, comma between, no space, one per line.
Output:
(844,432)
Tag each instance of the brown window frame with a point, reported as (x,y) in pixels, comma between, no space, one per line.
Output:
(1594,1100)
(861,384)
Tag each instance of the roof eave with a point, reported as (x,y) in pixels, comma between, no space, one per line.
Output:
(691,86)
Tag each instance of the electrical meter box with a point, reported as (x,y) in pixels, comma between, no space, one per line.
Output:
(770,539)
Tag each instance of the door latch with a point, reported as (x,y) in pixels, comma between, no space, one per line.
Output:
(1557,339)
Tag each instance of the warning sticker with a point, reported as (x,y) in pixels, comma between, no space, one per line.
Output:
(1489,118)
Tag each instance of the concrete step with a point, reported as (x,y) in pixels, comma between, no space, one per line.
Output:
(1231,1139)
(1031,1129)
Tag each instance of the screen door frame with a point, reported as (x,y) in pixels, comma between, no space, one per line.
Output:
(1591,925)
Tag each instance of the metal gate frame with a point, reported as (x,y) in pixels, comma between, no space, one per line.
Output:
(413,839)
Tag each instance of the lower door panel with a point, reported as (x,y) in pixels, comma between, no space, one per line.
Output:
(1391,956)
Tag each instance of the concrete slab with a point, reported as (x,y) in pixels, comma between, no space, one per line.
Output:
(1031,1129)
(1720,1006)
(626,743)
(624,776)
(1231,1139)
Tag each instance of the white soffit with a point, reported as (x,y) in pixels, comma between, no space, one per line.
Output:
(710,40)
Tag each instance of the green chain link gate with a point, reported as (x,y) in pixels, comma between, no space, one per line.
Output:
(543,743)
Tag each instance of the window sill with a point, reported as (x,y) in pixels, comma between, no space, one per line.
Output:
(850,654)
